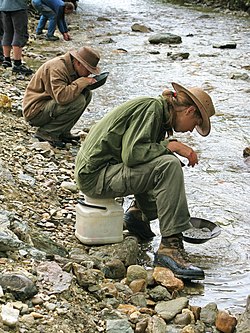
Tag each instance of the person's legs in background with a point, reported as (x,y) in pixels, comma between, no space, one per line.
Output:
(14,38)
(1,36)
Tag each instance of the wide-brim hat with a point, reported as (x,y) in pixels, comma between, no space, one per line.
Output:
(88,58)
(203,102)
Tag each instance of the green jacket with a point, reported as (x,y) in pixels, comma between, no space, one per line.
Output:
(131,133)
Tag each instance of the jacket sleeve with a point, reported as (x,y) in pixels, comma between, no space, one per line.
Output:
(139,144)
(61,23)
(59,87)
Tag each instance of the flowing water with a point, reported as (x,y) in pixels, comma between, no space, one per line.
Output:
(218,188)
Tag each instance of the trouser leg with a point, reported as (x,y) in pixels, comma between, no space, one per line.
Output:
(163,177)
(58,119)
(52,23)
(41,24)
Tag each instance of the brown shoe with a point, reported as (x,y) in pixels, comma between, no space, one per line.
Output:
(170,255)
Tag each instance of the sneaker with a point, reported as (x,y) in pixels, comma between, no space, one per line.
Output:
(44,136)
(22,70)
(1,58)
(52,38)
(6,64)
(171,255)
(40,36)
(133,223)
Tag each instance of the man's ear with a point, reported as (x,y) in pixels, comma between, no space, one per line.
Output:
(190,110)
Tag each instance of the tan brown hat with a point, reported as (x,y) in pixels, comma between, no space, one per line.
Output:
(204,103)
(88,58)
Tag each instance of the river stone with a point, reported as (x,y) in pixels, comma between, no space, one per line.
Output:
(169,309)
(208,313)
(160,293)
(127,251)
(166,277)
(52,276)
(225,322)
(114,269)
(166,38)
(243,325)
(138,285)
(9,315)
(156,324)
(20,286)
(139,299)
(135,272)
(118,326)
(183,319)
(88,277)
(140,28)
(44,243)
(229,45)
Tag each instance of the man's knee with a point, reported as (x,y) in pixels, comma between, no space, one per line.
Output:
(82,101)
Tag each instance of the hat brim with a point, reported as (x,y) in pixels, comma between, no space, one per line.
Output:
(93,70)
(205,127)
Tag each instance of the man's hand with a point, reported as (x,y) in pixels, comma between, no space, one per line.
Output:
(185,151)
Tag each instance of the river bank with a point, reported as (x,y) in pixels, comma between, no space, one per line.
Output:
(70,287)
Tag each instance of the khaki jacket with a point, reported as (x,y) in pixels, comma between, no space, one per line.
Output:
(55,79)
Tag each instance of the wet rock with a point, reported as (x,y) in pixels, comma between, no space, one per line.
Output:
(166,38)
(229,45)
(140,28)
(19,285)
(239,76)
(180,55)
(169,309)
(225,322)
(107,41)
(246,152)
(102,19)
(165,277)
(243,325)
(196,311)
(209,313)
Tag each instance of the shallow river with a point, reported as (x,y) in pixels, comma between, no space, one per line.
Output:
(218,188)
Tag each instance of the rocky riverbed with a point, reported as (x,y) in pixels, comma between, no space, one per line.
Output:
(50,282)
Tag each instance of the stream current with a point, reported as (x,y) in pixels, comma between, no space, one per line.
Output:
(218,188)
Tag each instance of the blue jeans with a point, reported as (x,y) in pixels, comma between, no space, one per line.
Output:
(47,14)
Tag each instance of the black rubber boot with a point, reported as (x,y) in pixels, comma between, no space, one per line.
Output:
(170,255)
(134,223)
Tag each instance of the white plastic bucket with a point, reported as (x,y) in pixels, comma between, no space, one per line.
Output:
(99,221)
